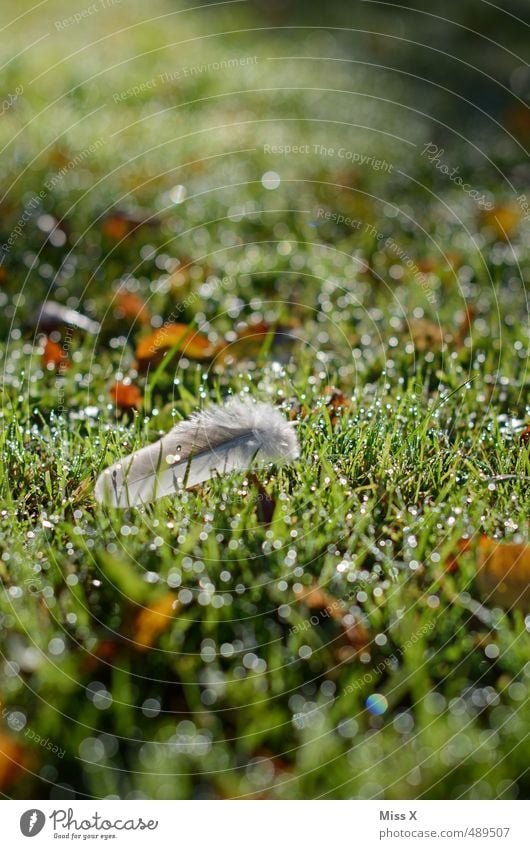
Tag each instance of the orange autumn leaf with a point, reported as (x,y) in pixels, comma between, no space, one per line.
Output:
(13,758)
(130,306)
(336,402)
(127,396)
(503,574)
(152,621)
(190,342)
(524,436)
(115,228)
(122,222)
(54,355)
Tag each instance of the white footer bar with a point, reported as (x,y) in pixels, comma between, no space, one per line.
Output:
(263,824)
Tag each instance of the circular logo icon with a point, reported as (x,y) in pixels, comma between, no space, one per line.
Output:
(31,822)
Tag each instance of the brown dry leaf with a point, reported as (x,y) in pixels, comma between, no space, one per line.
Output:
(3,274)
(436,263)
(524,436)
(126,396)
(298,411)
(54,356)
(130,306)
(265,503)
(336,402)
(104,652)
(517,120)
(427,264)
(315,598)
(120,223)
(13,759)
(152,621)
(190,342)
(82,494)
(115,228)
(503,574)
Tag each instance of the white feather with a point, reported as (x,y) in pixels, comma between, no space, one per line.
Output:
(222,439)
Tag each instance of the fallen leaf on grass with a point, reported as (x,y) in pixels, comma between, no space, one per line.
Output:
(13,758)
(115,228)
(152,621)
(298,412)
(54,356)
(126,396)
(131,307)
(104,652)
(265,503)
(524,436)
(336,402)
(120,223)
(190,342)
(517,120)
(503,574)
(451,260)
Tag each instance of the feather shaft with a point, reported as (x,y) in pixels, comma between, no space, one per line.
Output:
(219,440)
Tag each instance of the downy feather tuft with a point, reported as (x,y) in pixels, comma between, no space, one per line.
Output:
(221,439)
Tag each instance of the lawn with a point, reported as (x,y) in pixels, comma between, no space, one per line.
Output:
(331,242)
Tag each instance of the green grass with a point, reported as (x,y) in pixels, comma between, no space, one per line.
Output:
(255,693)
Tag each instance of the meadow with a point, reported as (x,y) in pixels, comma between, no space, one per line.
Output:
(326,239)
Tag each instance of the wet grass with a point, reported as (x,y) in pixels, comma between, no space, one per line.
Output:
(398,343)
